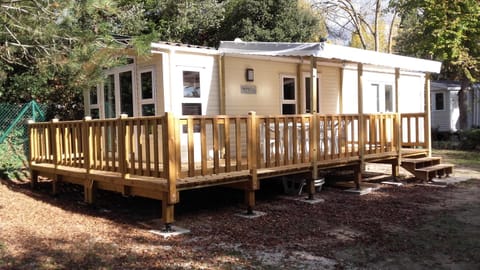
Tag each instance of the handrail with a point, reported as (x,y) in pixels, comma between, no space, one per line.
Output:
(171,147)
(413,131)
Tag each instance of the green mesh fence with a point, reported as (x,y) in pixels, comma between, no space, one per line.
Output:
(14,135)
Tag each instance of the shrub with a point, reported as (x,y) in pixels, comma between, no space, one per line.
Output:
(470,139)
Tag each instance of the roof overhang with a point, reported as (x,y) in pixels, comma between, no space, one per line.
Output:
(330,52)
(179,47)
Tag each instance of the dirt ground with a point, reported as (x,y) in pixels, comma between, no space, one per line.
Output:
(407,227)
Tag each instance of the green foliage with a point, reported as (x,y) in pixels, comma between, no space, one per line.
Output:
(470,139)
(53,50)
(270,20)
(444,30)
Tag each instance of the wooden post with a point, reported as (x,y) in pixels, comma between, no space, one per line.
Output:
(87,149)
(221,75)
(427,129)
(170,167)
(252,162)
(398,129)
(31,150)
(313,155)
(122,153)
(361,123)
(313,85)
(56,143)
(300,94)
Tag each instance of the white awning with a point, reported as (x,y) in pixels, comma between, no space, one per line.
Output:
(329,51)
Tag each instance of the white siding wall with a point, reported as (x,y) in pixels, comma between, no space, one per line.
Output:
(411,89)
(207,65)
(329,90)
(441,119)
(267,99)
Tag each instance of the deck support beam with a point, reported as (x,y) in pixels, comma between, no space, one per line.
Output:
(89,191)
(398,130)
(427,127)
(357,172)
(249,201)
(168,211)
(361,125)
(34,180)
(55,184)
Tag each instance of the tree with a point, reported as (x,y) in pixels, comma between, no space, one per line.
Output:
(51,50)
(368,24)
(185,21)
(271,20)
(448,31)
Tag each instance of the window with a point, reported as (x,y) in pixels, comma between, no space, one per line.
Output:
(289,101)
(379,98)
(388,98)
(308,99)
(439,102)
(192,103)
(94,106)
(109,96)
(126,93)
(117,92)
(147,93)
(191,84)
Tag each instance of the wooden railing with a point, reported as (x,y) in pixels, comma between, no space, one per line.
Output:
(381,133)
(413,130)
(195,146)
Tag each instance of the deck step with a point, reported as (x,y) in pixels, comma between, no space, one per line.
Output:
(412,164)
(420,160)
(430,172)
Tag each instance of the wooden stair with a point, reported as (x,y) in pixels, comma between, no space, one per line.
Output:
(427,168)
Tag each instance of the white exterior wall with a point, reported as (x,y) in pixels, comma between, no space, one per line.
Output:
(207,66)
(268,97)
(329,90)
(442,120)
(268,75)
(411,89)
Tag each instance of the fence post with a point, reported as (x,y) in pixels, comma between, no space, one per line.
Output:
(86,137)
(313,154)
(397,133)
(361,127)
(427,136)
(31,149)
(170,167)
(252,149)
(56,142)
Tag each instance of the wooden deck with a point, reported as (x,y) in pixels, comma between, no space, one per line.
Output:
(157,157)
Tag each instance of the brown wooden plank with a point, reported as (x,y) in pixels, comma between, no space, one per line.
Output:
(288,127)
(191,147)
(238,143)
(227,154)
(216,156)
(203,145)
(156,161)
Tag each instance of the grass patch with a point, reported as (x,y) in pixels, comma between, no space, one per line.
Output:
(469,159)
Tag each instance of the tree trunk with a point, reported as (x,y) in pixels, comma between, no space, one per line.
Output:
(376,35)
(463,104)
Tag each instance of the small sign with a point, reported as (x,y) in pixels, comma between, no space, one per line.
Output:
(248,89)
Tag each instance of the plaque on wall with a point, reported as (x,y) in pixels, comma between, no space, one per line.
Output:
(248,89)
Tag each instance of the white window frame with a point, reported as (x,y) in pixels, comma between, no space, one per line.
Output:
(288,101)
(96,105)
(435,101)
(306,75)
(116,75)
(151,100)
(193,100)
(380,95)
